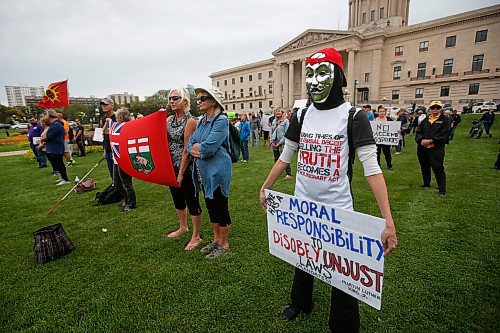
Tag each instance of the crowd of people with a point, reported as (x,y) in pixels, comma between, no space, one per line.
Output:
(200,153)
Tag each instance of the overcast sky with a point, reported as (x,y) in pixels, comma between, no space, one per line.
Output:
(105,47)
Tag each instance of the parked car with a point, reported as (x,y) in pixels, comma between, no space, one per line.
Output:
(4,126)
(20,126)
(447,107)
(483,106)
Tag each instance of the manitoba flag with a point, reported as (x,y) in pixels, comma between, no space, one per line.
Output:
(141,149)
(55,96)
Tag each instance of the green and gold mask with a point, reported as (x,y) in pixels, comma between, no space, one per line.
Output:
(319,80)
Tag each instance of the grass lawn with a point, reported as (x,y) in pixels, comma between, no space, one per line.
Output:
(444,276)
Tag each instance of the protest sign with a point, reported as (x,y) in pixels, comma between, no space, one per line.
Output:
(386,132)
(265,123)
(231,114)
(37,139)
(340,247)
(98,137)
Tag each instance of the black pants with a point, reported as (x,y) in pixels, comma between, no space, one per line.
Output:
(56,160)
(344,310)
(387,154)
(81,147)
(277,153)
(432,158)
(186,196)
(123,182)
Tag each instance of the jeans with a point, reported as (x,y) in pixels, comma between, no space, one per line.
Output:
(452,133)
(81,147)
(401,143)
(123,182)
(39,155)
(255,137)
(244,149)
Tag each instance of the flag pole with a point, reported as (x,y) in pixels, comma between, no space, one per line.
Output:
(81,180)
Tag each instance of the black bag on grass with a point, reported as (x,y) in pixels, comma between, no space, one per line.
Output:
(110,195)
(51,243)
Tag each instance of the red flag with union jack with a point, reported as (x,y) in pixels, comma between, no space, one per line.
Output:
(56,96)
(141,149)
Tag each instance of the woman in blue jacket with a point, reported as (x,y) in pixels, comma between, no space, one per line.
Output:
(212,165)
(54,146)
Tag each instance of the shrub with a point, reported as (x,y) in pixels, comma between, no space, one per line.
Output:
(29,155)
(94,149)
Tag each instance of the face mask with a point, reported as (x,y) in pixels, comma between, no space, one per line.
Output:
(319,80)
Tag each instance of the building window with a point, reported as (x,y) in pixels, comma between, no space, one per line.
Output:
(481,36)
(233,93)
(225,94)
(382,13)
(395,94)
(271,104)
(217,83)
(451,41)
(473,88)
(250,91)
(477,63)
(241,92)
(250,105)
(447,66)
(421,70)
(424,46)
(241,79)
(270,74)
(419,93)
(234,106)
(372,16)
(260,105)
(398,51)
(250,77)
(270,88)
(397,73)
(242,106)
(260,90)
(367,77)
(363,18)
(259,76)
(445,91)
(233,80)
(225,82)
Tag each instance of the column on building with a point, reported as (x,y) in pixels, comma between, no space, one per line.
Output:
(376,74)
(303,90)
(290,84)
(350,73)
(350,15)
(285,79)
(277,86)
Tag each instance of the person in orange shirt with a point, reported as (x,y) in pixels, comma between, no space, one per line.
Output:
(67,148)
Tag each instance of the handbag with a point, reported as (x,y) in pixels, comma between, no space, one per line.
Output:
(51,243)
(85,186)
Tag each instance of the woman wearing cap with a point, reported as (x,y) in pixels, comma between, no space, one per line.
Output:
(212,165)
(180,127)
(431,137)
(386,149)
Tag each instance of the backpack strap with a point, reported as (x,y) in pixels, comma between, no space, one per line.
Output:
(352,151)
(301,120)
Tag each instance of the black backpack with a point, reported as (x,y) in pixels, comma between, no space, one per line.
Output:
(110,195)
(234,148)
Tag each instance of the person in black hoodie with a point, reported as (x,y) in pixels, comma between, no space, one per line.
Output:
(431,137)
(328,117)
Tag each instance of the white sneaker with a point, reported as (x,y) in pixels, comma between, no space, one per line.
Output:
(62,182)
(60,179)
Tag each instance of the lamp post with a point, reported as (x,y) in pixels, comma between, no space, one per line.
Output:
(355,93)
(98,115)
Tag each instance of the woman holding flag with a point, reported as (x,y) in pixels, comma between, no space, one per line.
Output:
(180,127)
(212,165)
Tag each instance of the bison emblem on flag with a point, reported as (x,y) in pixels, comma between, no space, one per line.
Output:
(140,155)
(141,149)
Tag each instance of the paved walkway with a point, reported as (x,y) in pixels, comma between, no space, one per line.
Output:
(13,153)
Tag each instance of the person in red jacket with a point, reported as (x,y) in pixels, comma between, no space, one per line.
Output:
(431,137)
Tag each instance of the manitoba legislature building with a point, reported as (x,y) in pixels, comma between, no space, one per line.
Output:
(454,59)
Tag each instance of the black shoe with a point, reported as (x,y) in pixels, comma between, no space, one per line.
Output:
(291,312)
(442,194)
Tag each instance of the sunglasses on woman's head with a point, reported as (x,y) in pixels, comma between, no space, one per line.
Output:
(203,98)
(174,98)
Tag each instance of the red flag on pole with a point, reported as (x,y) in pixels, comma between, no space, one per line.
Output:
(141,149)
(55,96)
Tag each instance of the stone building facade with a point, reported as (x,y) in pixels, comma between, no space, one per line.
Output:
(454,59)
